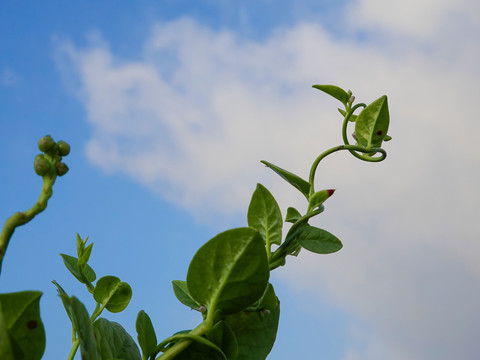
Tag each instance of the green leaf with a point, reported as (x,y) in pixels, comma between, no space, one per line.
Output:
(230,271)
(113,342)
(372,123)
(265,216)
(352,117)
(317,240)
(145,334)
(71,263)
(83,327)
(180,289)
(292,215)
(256,331)
(6,351)
(112,293)
(20,317)
(319,198)
(292,179)
(83,259)
(334,91)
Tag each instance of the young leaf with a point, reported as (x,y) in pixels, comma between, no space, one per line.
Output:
(352,117)
(265,216)
(113,342)
(145,334)
(317,240)
(292,179)
(71,263)
(319,198)
(334,91)
(292,215)
(20,314)
(230,271)
(180,289)
(256,331)
(112,293)
(372,123)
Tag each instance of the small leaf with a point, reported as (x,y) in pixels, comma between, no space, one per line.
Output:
(83,259)
(292,215)
(265,216)
(71,263)
(145,334)
(319,198)
(317,240)
(112,293)
(229,272)
(334,91)
(180,289)
(352,117)
(20,314)
(113,342)
(372,123)
(292,179)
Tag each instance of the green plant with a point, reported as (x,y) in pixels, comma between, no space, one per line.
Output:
(227,280)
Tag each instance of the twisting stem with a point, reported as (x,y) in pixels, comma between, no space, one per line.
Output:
(353,149)
(21,218)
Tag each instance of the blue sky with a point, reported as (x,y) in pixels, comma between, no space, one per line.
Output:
(170,105)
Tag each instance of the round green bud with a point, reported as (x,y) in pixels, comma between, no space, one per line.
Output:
(62,169)
(46,143)
(41,165)
(63,148)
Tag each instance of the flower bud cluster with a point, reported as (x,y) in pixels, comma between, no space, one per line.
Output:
(50,162)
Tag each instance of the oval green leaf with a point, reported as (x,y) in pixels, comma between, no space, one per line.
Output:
(317,240)
(291,178)
(147,339)
(230,271)
(20,318)
(113,342)
(71,263)
(180,289)
(372,123)
(265,216)
(112,293)
(334,91)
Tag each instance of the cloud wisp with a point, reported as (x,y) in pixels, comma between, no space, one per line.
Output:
(195,113)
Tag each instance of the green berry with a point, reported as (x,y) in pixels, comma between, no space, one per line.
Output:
(63,148)
(41,165)
(62,169)
(46,143)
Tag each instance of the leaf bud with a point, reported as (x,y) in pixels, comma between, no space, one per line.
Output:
(352,99)
(63,148)
(45,143)
(41,165)
(62,168)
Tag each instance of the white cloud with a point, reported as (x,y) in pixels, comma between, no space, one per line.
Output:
(195,113)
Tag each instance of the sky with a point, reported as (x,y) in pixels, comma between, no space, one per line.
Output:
(169,106)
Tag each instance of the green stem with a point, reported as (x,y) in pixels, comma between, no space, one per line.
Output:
(74,349)
(21,218)
(181,345)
